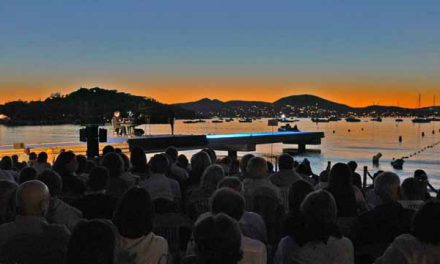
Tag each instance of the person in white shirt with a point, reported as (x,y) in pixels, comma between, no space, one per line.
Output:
(134,221)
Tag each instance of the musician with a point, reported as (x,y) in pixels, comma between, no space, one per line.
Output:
(116,123)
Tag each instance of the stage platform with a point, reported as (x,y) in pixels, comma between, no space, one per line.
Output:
(226,142)
(157,143)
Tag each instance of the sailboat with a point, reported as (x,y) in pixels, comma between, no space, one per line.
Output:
(421,119)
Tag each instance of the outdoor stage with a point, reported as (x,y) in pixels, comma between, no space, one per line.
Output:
(224,142)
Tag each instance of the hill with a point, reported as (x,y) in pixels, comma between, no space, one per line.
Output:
(95,105)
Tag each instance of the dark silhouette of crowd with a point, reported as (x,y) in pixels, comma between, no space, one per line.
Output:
(122,209)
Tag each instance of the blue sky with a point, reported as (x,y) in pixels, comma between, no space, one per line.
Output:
(114,42)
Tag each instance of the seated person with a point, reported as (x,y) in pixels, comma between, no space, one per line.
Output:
(93,241)
(348,197)
(59,212)
(286,175)
(386,221)
(96,203)
(218,240)
(30,238)
(232,203)
(251,224)
(412,194)
(257,180)
(27,174)
(422,245)
(316,238)
(134,221)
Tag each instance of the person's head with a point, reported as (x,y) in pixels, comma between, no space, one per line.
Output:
(352,165)
(425,225)
(53,181)
(319,212)
(32,156)
(138,160)
(218,240)
(90,164)
(172,153)
(33,198)
(7,201)
(199,162)
(182,161)
(92,241)
(229,202)
(387,186)
(159,164)
(211,176)
(257,168)
(244,162)
(114,163)
(421,175)
(126,160)
(134,214)
(297,193)
(97,180)
(285,162)
(27,174)
(6,163)
(82,162)
(412,189)
(211,154)
(42,157)
(234,167)
(340,178)
(107,149)
(66,163)
(117,114)
(323,176)
(231,182)
(14,159)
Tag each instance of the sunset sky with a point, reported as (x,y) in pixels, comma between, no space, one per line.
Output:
(354,52)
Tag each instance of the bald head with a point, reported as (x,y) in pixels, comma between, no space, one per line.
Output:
(33,198)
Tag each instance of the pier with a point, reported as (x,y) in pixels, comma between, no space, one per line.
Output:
(156,143)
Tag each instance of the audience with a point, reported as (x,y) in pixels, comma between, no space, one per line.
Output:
(96,203)
(158,184)
(317,239)
(412,193)
(27,174)
(134,221)
(422,245)
(349,199)
(257,181)
(40,204)
(7,201)
(66,165)
(41,163)
(93,241)
(59,212)
(30,238)
(218,240)
(116,185)
(386,221)
(139,164)
(286,175)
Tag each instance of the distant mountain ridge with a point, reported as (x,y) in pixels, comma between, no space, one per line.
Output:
(213,107)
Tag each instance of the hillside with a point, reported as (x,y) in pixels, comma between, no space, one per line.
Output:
(95,105)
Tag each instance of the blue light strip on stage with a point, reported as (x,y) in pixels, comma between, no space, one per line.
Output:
(260,134)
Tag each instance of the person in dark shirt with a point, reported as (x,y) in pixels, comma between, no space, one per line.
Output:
(96,203)
(386,221)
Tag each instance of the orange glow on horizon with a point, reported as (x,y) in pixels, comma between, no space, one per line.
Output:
(178,92)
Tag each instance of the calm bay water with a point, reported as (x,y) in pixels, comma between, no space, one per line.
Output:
(364,140)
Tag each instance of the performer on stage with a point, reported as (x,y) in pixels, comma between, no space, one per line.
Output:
(116,123)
